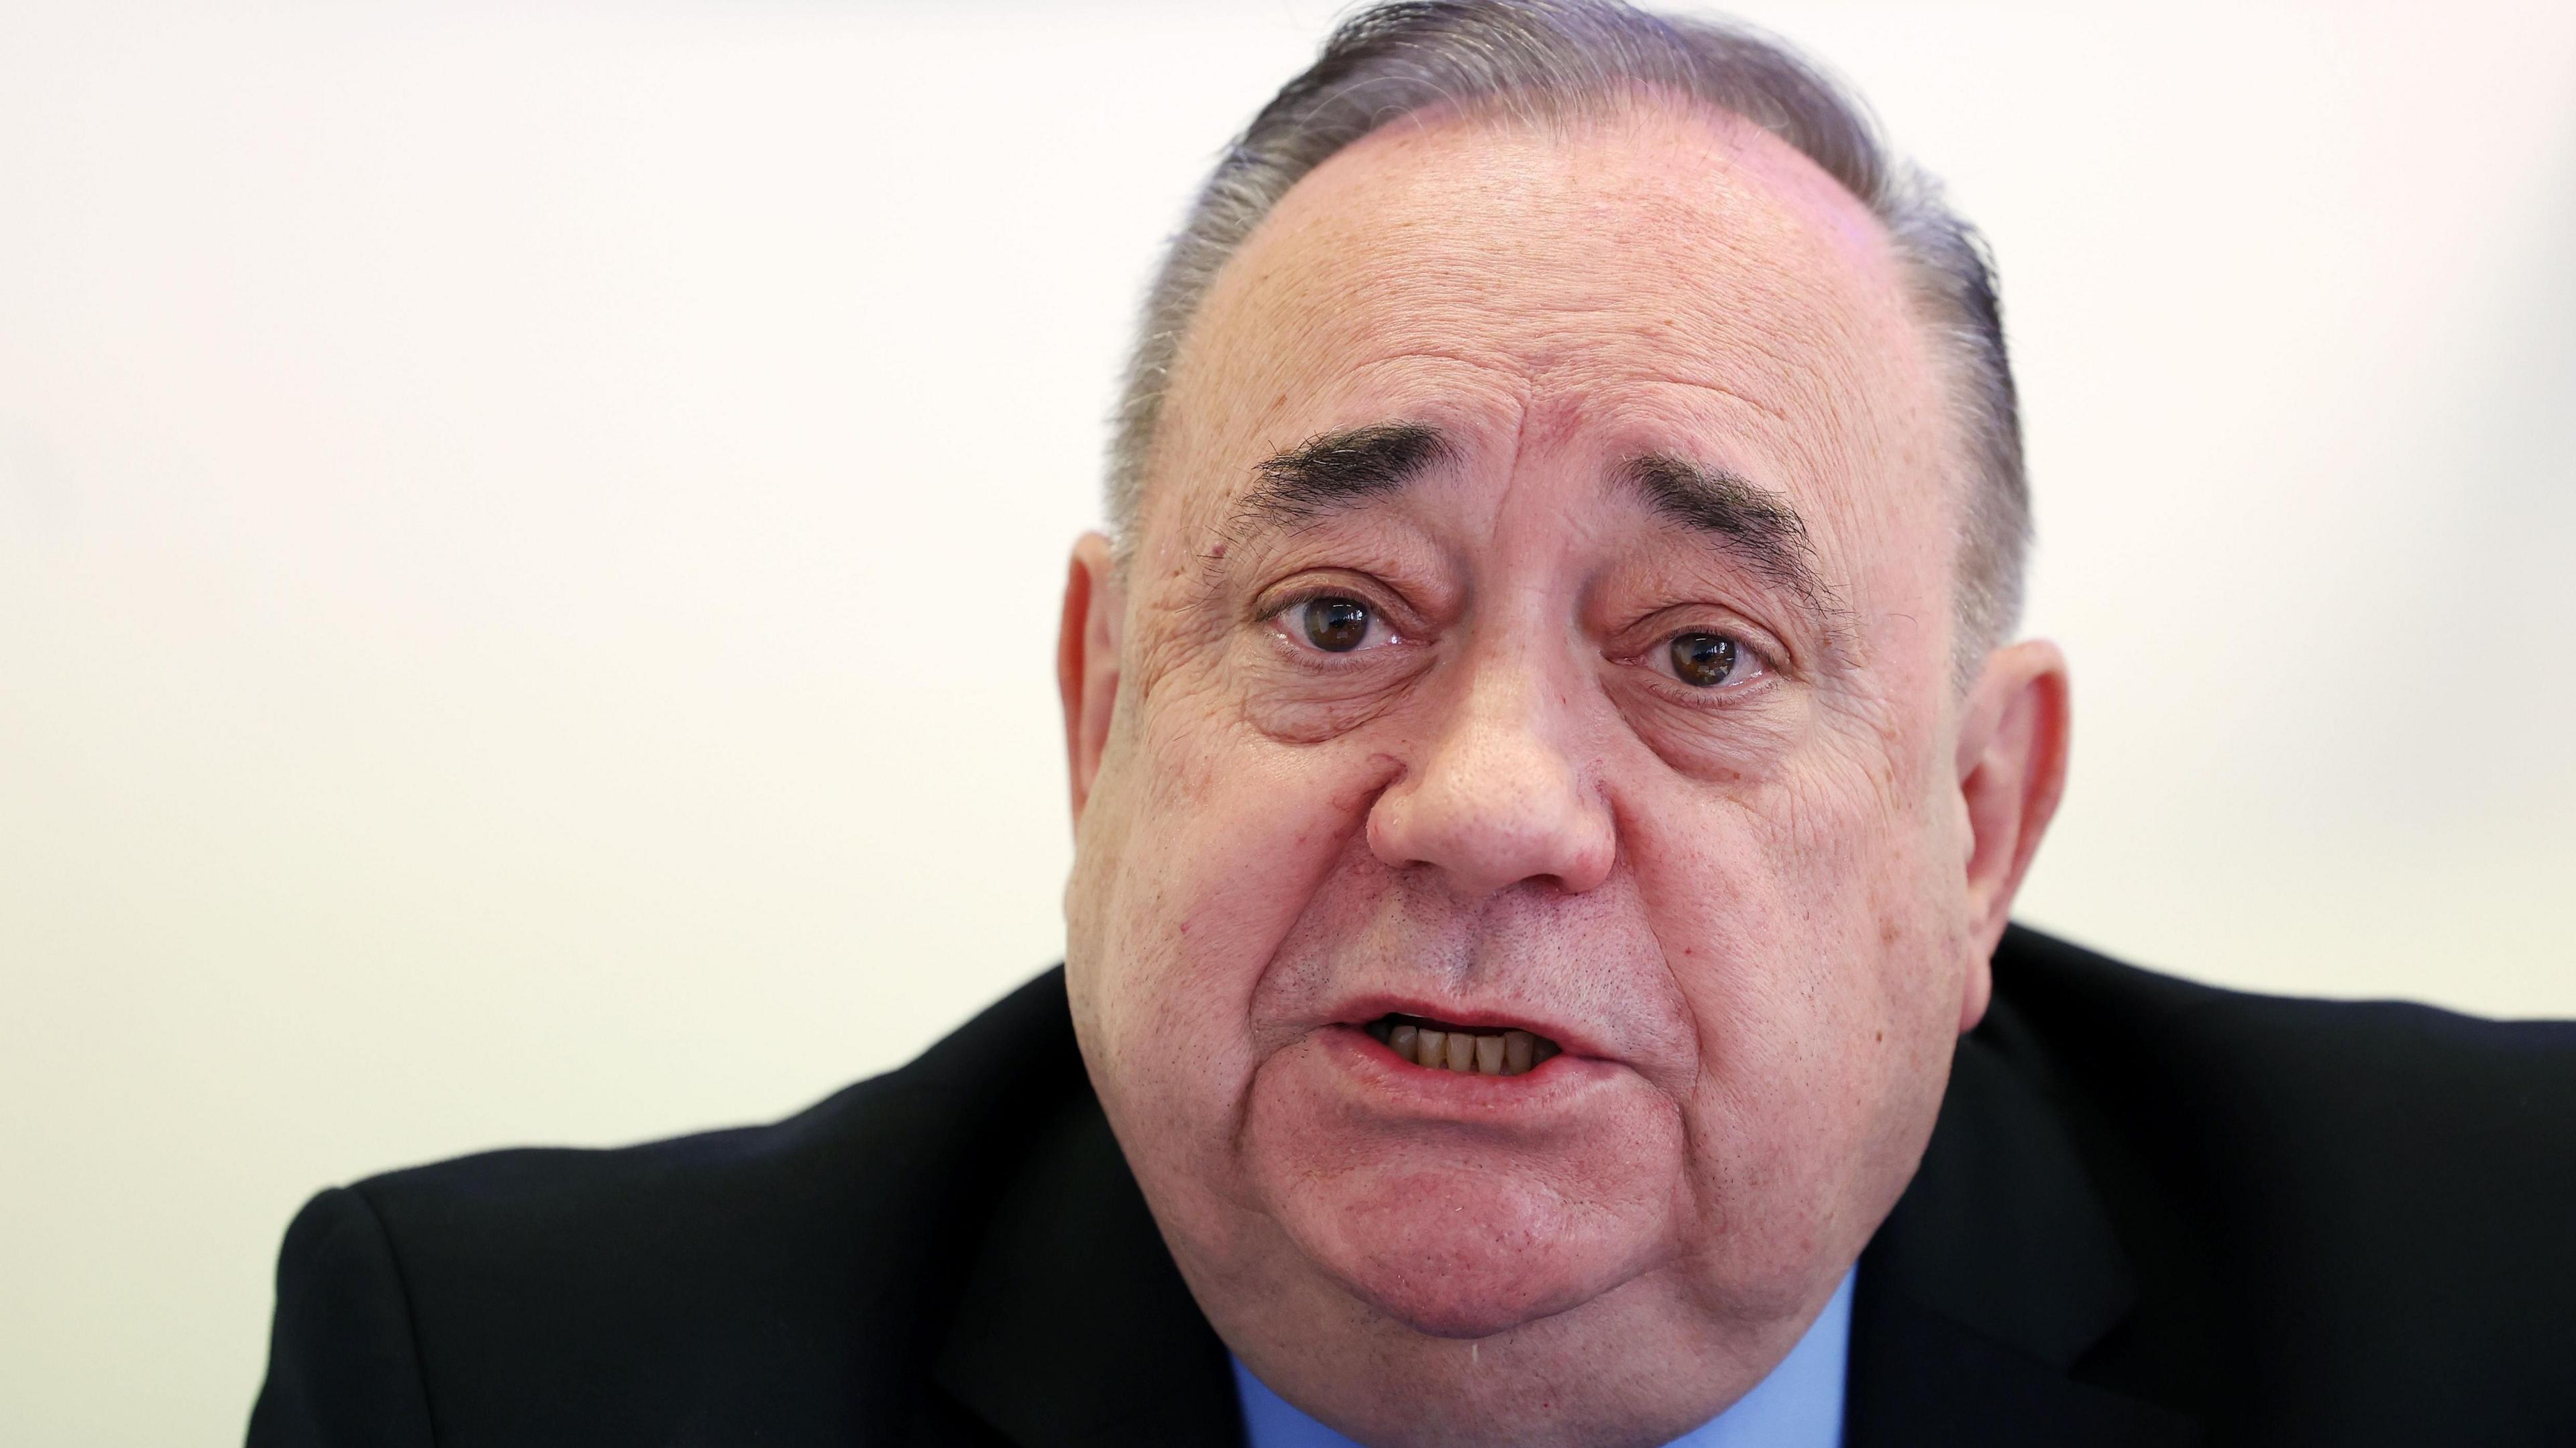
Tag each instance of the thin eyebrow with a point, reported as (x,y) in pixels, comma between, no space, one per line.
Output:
(1747,519)
(1333,471)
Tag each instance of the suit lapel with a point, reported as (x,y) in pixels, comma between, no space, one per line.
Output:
(1991,1279)
(1074,1328)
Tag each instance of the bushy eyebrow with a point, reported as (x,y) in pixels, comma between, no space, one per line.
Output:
(1336,470)
(1352,467)
(1748,520)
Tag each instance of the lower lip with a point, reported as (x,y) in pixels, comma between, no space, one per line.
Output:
(1373,1064)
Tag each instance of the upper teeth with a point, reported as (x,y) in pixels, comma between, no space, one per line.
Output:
(1478,1052)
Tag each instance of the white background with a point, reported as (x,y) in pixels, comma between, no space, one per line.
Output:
(529,538)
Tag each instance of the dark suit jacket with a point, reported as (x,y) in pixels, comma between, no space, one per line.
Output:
(2152,1213)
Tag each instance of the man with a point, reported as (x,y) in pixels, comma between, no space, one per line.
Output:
(1550,779)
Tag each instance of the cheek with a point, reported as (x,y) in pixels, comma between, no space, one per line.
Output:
(1212,842)
(1799,926)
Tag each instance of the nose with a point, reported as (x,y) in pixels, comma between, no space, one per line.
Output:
(1498,797)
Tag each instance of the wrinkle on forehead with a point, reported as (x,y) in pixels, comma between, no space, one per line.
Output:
(1667,233)
(1528,380)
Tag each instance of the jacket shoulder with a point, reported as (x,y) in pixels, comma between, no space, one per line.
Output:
(2394,1072)
(2371,1195)
(778,1276)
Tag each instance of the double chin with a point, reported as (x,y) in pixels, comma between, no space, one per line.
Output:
(1463,1229)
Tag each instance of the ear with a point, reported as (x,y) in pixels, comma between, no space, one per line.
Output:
(1086,661)
(2012,768)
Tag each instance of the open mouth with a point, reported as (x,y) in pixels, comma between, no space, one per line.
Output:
(1473,1050)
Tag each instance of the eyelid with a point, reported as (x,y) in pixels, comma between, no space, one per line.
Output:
(1304,587)
(1657,627)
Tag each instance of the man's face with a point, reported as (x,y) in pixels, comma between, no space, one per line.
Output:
(1540,621)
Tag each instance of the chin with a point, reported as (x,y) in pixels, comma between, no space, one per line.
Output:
(1457,1252)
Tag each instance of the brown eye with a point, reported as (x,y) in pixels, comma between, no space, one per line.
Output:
(1336,625)
(1703,659)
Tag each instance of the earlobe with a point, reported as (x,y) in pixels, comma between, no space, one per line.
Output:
(1086,661)
(2013,740)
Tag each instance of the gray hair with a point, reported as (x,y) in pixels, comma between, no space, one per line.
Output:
(1540,57)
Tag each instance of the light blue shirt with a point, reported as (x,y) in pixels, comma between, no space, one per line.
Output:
(1800,1405)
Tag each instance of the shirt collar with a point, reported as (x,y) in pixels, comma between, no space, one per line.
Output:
(1799,1405)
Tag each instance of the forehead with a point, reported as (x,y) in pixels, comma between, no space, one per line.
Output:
(1648,277)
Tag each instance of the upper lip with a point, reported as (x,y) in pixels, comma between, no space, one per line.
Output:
(1573,1040)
